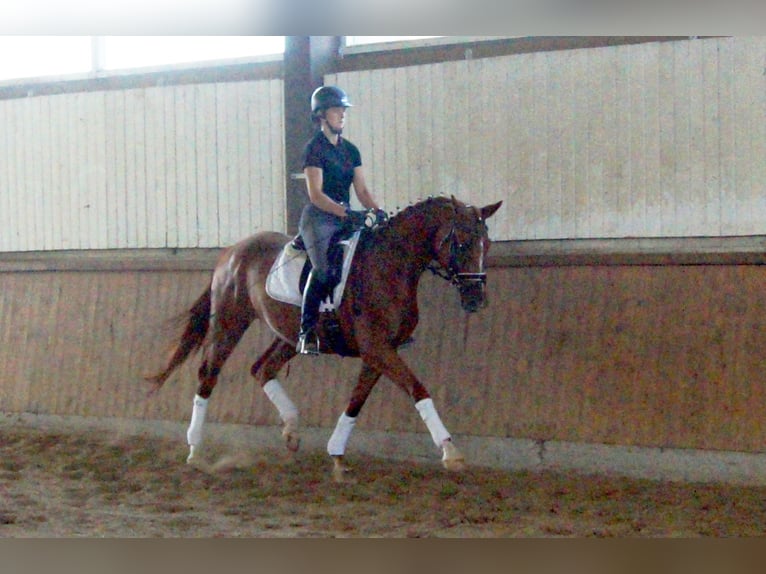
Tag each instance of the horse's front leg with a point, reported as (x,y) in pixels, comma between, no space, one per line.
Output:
(336,446)
(391,364)
(452,458)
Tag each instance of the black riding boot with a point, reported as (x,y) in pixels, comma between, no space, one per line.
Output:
(308,342)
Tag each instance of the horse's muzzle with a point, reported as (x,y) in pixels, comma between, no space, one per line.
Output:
(472,287)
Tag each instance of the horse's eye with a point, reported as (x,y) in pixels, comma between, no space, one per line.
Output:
(465,240)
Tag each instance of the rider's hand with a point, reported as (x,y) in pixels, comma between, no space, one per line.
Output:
(356,219)
(369,218)
(381,217)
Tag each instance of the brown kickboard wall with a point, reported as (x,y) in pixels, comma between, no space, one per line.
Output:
(632,355)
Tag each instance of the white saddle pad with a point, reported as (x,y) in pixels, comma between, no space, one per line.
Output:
(284,277)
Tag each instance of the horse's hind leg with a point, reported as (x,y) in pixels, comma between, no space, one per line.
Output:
(225,336)
(336,446)
(265,371)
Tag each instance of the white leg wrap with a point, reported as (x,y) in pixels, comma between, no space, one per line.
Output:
(277,395)
(336,446)
(429,415)
(194,433)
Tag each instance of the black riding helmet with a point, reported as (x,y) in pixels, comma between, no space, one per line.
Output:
(328,97)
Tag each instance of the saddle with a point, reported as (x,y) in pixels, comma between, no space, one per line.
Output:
(291,268)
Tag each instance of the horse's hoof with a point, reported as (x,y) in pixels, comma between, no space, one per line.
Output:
(293,443)
(292,439)
(452,460)
(454,464)
(342,476)
(198,464)
(340,472)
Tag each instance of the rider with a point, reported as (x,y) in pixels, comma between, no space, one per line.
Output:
(331,164)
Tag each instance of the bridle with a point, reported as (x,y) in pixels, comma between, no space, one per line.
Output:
(451,272)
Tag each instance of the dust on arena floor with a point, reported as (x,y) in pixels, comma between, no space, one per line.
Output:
(80,483)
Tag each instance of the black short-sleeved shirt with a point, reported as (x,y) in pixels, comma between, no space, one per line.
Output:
(337,163)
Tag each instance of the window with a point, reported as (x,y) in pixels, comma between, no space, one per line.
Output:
(29,56)
(120,52)
(40,56)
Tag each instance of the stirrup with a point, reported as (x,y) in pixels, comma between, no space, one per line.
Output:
(308,344)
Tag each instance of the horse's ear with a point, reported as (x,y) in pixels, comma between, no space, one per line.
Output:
(489,210)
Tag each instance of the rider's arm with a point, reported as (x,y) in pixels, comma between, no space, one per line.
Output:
(362,191)
(314,177)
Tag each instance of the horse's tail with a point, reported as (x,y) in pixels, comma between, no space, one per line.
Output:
(195,323)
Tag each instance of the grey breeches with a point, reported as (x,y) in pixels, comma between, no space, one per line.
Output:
(317,228)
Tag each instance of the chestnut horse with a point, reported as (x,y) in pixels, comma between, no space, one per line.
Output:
(378,313)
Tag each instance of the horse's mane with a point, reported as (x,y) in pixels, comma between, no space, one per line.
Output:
(415,212)
(420,205)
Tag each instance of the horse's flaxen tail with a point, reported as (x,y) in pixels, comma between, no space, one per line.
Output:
(195,325)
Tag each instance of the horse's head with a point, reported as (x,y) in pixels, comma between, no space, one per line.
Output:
(462,243)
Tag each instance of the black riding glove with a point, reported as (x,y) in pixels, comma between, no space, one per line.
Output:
(366,218)
(356,219)
(381,217)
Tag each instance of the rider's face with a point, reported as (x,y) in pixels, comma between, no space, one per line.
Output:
(335,118)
